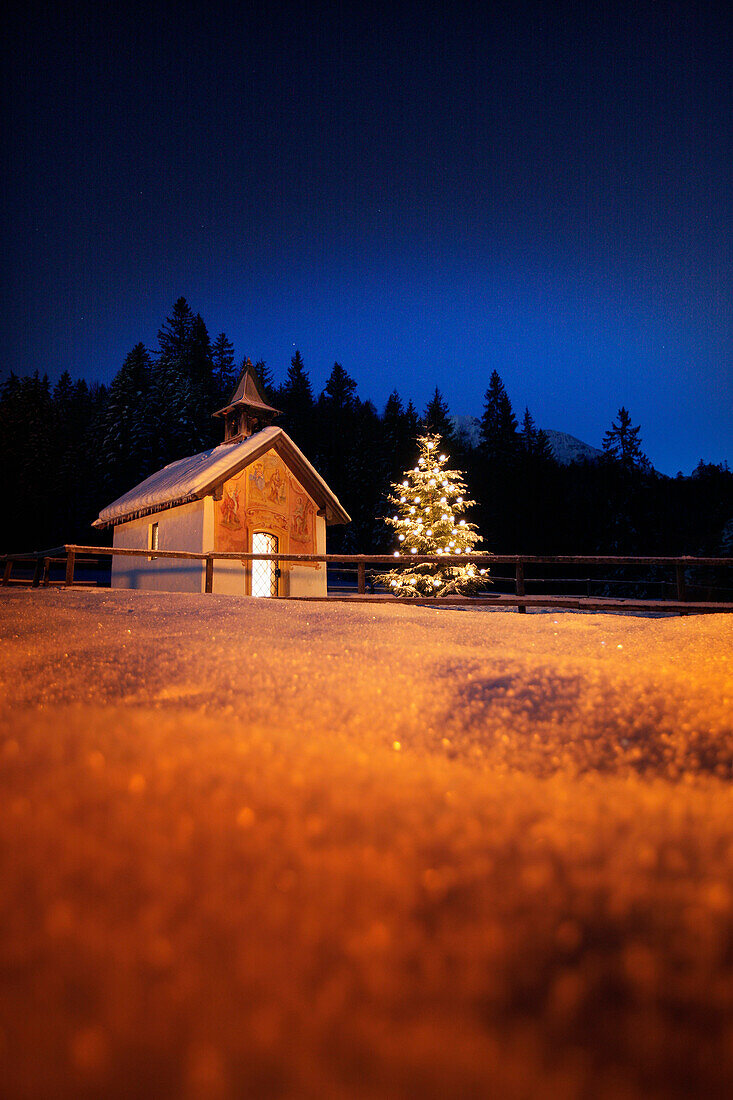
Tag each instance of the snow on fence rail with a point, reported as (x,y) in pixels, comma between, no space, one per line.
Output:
(679,565)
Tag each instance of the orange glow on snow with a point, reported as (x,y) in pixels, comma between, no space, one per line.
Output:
(304,850)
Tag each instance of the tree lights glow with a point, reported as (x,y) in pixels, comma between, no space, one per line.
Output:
(439,529)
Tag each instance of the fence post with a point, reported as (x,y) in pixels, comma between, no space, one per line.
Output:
(209,587)
(520,586)
(680,571)
(70,559)
(7,571)
(361,568)
(38,573)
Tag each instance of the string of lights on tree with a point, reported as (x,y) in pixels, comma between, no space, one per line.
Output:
(429,505)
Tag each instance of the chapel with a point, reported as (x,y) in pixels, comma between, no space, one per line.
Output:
(254,493)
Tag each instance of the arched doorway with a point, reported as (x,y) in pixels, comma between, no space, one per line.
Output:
(264,573)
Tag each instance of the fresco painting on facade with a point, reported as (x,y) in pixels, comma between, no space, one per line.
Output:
(268,481)
(302,512)
(231,534)
(229,509)
(266,497)
(257,479)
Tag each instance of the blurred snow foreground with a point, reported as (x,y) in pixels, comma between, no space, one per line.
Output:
(264,849)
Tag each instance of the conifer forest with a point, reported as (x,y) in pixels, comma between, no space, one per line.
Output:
(69,449)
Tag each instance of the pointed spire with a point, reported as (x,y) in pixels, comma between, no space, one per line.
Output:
(247,410)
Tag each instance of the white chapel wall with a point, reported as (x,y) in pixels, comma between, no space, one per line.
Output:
(180,528)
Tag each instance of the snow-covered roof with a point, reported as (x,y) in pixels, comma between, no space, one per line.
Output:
(195,477)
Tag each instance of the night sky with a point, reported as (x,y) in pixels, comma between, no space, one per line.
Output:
(541,189)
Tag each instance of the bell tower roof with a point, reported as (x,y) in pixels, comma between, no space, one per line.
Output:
(247,410)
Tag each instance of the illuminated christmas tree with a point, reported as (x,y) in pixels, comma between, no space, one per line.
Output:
(429,505)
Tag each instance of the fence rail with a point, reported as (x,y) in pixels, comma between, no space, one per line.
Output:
(679,567)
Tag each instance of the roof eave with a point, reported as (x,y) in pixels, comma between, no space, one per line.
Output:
(149,510)
(248,405)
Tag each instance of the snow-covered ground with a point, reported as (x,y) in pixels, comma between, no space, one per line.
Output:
(256,849)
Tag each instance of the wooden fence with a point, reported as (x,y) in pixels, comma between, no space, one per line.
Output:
(679,569)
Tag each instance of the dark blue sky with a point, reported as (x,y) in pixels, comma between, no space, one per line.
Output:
(424,195)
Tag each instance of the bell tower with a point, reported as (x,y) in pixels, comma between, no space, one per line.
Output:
(247,410)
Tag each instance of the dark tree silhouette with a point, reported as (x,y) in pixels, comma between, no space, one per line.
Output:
(622,443)
(346,449)
(225,373)
(129,425)
(534,442)
(399,427)
(266,378)
(295,398)
(412,420)
(335,422)
(175,339)
(499,439)
(25,454)
(183,391)
(437,419)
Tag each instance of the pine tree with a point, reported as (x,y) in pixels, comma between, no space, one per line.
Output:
(130,424)
(175,339)
(429,505)
(297,385)
(339,390)
(622,443)
(437,418)
(393,421)
(534,481)
(202,362)
(266,379)
(346,446)
(497,468)
(543,447)
(225,375)
(362,485)
(399,429)
(295,398)
(499,439)
(181,394)
(335,422)
(528,433)
(412,420)
(71,470)
(26,416)
(534,442)
(394,449)
(63,392)
(204,386)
